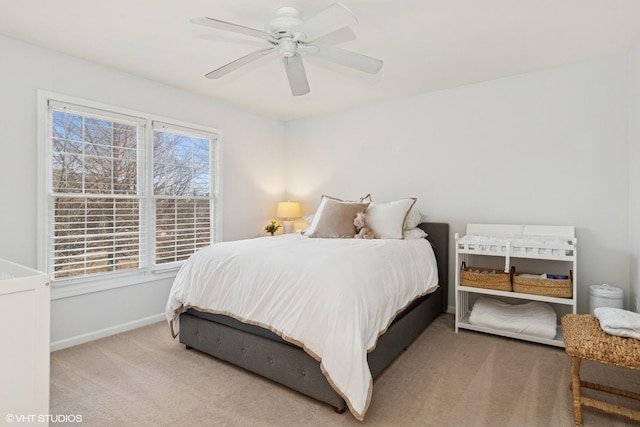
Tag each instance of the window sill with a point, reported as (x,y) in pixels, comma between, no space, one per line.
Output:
(68,290)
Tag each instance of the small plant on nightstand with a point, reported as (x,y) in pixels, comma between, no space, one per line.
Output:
(272,227)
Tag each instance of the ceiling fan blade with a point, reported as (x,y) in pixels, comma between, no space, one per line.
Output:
(347,58)
(326,21)
(296,74)
(240,62)
(235,28)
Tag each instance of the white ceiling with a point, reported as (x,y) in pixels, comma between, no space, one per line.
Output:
(426,45)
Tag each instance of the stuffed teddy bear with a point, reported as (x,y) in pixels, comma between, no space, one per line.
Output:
(364,232)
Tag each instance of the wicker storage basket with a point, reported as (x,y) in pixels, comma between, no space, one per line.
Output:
(500,281)
(560,288)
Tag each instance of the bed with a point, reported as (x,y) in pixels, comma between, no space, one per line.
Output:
(277,354)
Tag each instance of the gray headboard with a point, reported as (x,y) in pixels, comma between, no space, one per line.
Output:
(438,235)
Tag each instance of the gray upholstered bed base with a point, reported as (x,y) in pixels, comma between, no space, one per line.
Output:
(265,353)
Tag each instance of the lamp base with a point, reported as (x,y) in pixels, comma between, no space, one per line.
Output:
(288,227)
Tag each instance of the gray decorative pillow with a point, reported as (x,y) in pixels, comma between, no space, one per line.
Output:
(335,220)
(313,219)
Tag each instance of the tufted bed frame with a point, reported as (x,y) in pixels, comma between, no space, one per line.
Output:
(265,353)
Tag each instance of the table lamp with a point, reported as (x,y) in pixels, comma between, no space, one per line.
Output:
(288,210)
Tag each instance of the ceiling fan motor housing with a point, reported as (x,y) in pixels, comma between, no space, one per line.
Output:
(283,24)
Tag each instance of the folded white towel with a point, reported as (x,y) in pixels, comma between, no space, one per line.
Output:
(532,318)
(622,323)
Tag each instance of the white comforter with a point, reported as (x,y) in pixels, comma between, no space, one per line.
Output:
(334,297)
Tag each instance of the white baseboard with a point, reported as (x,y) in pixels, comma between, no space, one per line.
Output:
(113,330)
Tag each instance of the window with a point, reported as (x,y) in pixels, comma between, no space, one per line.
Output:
(125,192)
(181,188)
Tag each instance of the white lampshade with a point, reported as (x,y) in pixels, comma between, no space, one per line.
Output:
(288,210)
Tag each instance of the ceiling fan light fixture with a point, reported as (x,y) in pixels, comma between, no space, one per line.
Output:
(287,46)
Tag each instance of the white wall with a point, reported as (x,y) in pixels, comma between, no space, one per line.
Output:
(547,147)
(251,185)
(634,169)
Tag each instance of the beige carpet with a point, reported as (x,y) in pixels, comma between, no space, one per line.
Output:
(145,378)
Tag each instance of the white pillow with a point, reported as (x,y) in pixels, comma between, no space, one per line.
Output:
(414,233)
(314,224)
(387,219)
(413,218)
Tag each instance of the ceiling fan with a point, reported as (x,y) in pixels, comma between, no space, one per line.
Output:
(289,36)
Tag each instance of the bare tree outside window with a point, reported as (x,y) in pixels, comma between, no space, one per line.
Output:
(182,186)
(96,199)
(96,207)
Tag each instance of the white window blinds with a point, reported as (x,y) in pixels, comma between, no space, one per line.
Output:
(183,189)
(125,193)
(95,207)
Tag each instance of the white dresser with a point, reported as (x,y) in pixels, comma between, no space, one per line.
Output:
(24,341)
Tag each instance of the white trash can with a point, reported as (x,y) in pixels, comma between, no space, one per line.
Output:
(605,296)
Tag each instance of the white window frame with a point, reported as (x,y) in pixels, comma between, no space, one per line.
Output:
(189,131)
(149,271)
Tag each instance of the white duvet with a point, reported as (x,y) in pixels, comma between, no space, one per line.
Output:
(334,297)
